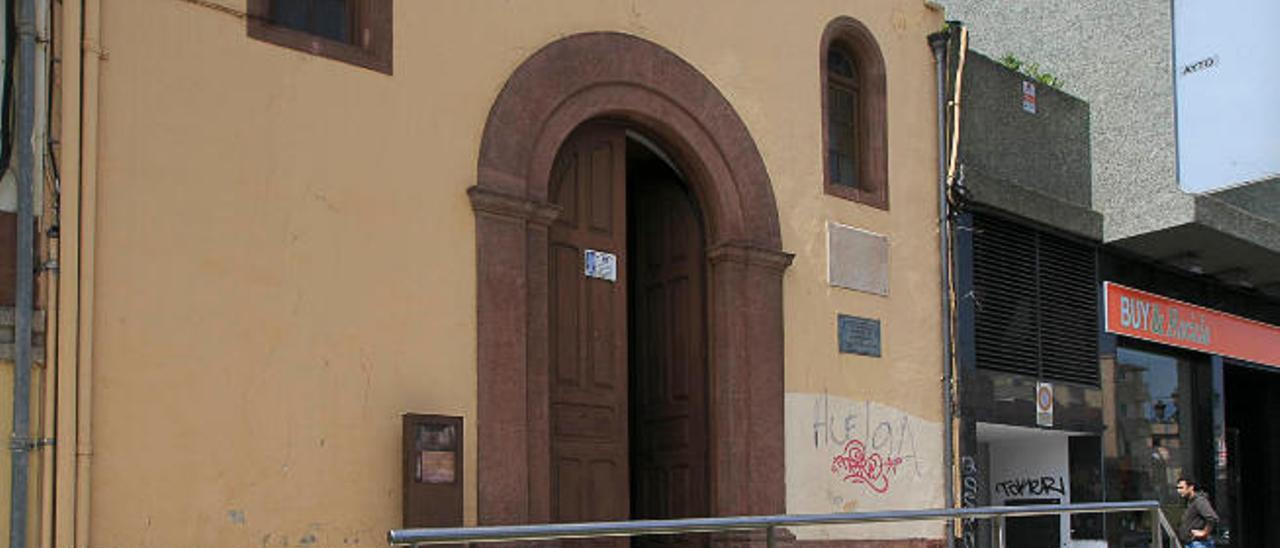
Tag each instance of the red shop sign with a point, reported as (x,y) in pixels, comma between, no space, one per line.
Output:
(1148,316)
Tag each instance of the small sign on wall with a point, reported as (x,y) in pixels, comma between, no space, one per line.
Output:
(1044,404)
(432,470)
(601,265)
(858,335)
(1028,97)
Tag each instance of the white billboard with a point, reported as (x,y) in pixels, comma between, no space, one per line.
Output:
(1227,89)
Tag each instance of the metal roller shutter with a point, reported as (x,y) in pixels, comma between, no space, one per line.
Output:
(1036,308)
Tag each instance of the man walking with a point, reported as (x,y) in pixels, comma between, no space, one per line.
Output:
(1199,519)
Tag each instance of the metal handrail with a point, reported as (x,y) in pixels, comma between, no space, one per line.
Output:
(1168,529)
(550,531)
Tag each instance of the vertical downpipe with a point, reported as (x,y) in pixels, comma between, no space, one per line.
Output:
(68,282)
(91,59)
(92,56)
(20,442)
(938,41)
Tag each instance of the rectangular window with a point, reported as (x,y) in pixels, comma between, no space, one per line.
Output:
(351,31)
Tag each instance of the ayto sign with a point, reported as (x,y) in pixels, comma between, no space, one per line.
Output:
(1147,316)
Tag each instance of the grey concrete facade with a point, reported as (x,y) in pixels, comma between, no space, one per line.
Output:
(1117,56)
(1035,165)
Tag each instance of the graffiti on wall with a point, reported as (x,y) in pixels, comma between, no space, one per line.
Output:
(873,446)
(856,465)
(970,483)
(847,455)
(1034,487)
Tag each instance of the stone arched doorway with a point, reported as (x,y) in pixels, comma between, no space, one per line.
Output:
(620,77)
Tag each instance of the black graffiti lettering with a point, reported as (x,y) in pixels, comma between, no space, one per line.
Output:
(1022,487)
(970,482)
(882,436)
(824,427)
(834,425)
(969,498)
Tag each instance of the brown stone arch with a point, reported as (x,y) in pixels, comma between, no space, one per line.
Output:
(621,77)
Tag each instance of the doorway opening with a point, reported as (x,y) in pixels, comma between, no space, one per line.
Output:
(1024,465)
(1251,478)
(561,88)
(629,382)
(667,366)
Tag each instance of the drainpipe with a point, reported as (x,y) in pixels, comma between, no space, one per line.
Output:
(20,443)
(68,288)
(938,41)
(81,55)
(93,56)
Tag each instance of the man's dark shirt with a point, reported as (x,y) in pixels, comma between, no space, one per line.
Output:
(1198,515)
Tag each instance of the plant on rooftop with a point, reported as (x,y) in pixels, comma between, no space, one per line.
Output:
(1030,70)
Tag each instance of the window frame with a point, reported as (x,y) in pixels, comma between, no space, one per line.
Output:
(372,31)
(848,85)
(855,41)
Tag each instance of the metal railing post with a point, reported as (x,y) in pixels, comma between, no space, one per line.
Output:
(997,530)
(1157,531)
(769,538)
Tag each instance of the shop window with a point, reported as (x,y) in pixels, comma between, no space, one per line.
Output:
(352,31)
(1160,439)
(853,121)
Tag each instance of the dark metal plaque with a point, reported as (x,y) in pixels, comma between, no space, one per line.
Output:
(859,335)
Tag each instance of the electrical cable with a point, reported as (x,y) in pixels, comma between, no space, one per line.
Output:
(955,196)
(48,116)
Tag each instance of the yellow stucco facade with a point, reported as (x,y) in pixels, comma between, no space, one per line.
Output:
(283,255)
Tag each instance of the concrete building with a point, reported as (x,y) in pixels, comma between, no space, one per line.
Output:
(1189,392)
(1118,56)
(326,273)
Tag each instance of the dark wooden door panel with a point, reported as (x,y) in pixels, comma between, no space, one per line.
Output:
(588,392)
(670,451)
(604,321)
(565,267)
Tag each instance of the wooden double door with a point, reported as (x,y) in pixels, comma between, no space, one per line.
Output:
(628,375)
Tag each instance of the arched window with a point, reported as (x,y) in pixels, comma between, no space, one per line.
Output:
(853,121)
